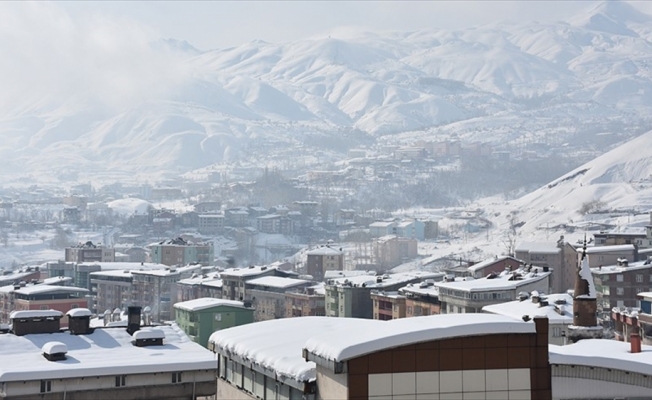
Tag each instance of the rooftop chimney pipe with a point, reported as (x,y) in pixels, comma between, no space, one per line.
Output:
(133,319)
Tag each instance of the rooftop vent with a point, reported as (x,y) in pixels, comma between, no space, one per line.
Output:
(492,275)
(560,301)
(522,296)
(148,337)
(35,321)
(54,351)
(133,319)
(79,321)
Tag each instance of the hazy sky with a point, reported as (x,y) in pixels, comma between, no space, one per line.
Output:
(102,50)
(220,24)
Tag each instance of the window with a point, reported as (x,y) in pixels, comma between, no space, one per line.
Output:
(45,308)
(639,278)
(73,306)
(46,386)
(620,291)
(556,332)
(639,290)
(176,377)
(120,380)
(619,278)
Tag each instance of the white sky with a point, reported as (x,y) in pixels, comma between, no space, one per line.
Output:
(219,24)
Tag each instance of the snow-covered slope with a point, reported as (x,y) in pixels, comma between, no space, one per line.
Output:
(492,83)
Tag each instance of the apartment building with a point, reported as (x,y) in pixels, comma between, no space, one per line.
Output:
(322,259)
(560,257)
(178,251)
(391,250)
(351,296)
(388,305)
(234,279)
(306,302)
(618,285)
(110,290)
(26,297)
(157,289)
(210,223)
(89,252)
(468,295)
(610,255)
(267,295)
(422,298)
(200,285)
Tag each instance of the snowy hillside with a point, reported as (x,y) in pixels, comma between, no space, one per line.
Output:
(496,83)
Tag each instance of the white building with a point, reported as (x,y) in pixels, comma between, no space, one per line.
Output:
(558,308)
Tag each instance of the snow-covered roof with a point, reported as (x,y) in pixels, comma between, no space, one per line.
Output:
(324,251)
(610,249)
(381,281)
(79,312)
(201,279)
(381,224)
(246,271)
(350,342)
(42,288)
(127,265)
(585,274)
(603,353)
(332,274)
(277,345)
(56,279)
(426,290)
(168,271)
(276,282)
(149,333)
(500,282)
(54,348)
(538,247)
(486,263)
(35,314)
(619,269)
(207,302)
(106,351)
(557,314)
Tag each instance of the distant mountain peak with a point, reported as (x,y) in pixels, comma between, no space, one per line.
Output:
(611,16)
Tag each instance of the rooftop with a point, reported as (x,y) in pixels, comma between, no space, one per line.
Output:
(246,271)
(604,353)
(556,313)
(381,281)
(324,251)
(618,269)
(107,351)
(486,263)
(276,282)
(345,344)
(207,302)
(42,289)
(610,249)
(502,281)
(538,247)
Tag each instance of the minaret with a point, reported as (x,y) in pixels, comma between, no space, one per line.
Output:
(585,305)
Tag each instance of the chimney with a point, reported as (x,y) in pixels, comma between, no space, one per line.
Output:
(635,341)
(79,321)
(133,319)
(148,337)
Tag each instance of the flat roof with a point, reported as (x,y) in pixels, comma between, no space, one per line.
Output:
(500,282)
(616,269)
(277,282)
(538,247)
(324,251)
(43,288)
(557,314)
(246,271)
(106,351)
(609,249)
(603,353)
(486,263)
(207,302)
(381,281)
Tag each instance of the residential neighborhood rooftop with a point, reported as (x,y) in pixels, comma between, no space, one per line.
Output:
(501,281)
(604,353)
(558,308)
(207,302)
(106,351)
(276,282)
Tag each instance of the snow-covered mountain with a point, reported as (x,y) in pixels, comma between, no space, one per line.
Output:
(492,83)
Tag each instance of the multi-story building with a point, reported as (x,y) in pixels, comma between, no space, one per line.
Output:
(25,274)
(210,223)
(267,295)
(609,255)
(641,238)
(89,252)
(306,302)
(387,305)
(421,299)
(110,290)
(618,285)
(322,259)
(61,268)
(180,252)
(560,257)
(628,321)
(157,289)
(351,296)
(446,356)
(40,297)
(236,217)
(468,295)
(413,228)
(391,250)
(198,286)
(275,223)
(234,279)
(558,308)
(199,318)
